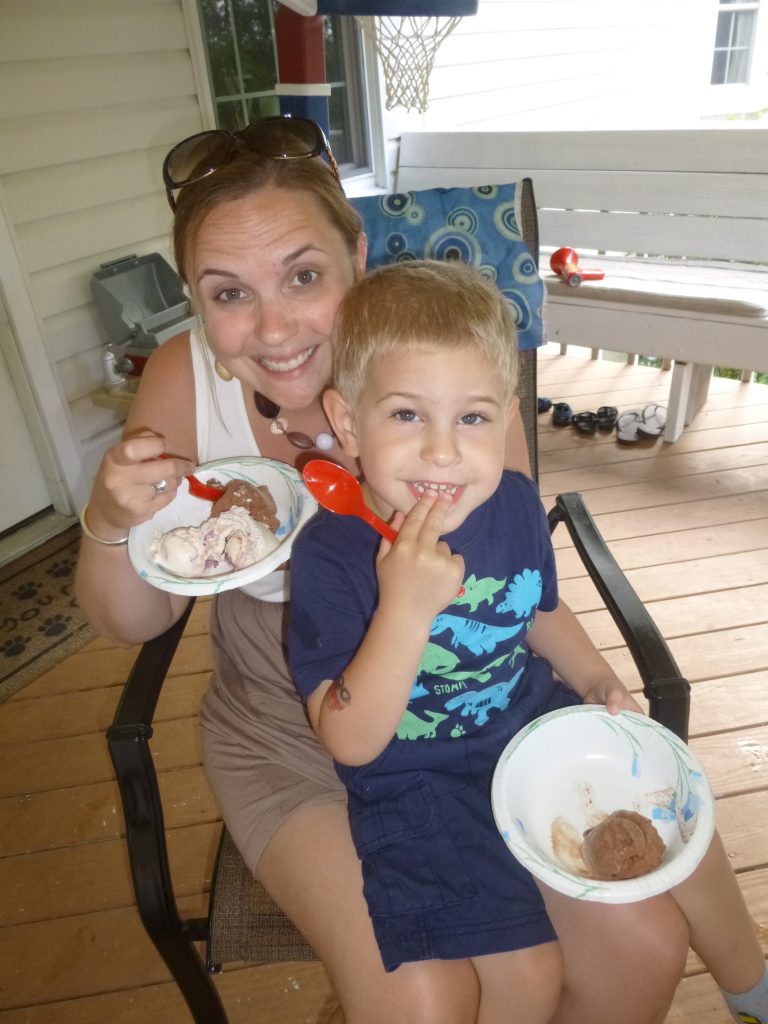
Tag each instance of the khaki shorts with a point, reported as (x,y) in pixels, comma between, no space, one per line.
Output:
(261,757)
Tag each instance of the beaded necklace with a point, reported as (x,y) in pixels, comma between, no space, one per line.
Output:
(271,411)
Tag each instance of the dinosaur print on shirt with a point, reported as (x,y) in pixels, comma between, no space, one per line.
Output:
(457,687)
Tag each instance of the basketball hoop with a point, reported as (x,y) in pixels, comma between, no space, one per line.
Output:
(406,48)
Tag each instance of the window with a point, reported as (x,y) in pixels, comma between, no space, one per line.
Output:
(733,41)
(239,37)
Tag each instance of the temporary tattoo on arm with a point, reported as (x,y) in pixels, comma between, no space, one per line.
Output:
(338,695)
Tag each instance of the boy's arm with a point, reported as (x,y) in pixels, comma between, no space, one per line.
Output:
(559,637)
(357,714)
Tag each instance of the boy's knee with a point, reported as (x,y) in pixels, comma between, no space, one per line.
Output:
(662,939)
(430,992)
(446,997)
(458,1007)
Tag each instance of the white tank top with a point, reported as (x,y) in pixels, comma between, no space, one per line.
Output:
(223,431)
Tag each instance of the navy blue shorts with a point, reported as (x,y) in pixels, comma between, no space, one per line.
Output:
(439,880)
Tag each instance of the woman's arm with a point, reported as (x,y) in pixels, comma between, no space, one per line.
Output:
(114,599)
(357,714)
(559,637)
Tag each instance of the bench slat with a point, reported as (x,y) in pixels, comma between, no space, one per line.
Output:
(722,195)
(699,150)
(657,235)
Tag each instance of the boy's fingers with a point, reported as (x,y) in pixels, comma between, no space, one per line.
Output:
(397,521)
(426,518)
(385,545)
(432,524)
(414,521)
(433,509)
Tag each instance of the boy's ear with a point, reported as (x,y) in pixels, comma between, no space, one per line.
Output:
(342,421)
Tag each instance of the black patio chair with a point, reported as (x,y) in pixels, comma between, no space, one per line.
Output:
(243,924)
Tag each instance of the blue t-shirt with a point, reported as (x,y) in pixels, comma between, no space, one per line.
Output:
(474,665)
(438,878)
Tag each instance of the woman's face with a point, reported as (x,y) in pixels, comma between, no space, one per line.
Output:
(267,275)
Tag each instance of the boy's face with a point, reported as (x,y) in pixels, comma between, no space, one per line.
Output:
(427,419)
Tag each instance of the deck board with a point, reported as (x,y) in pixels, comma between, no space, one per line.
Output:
(688,523)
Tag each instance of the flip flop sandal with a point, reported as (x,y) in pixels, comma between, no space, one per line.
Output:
(562,414)
(606,417)
(585,422)
(653,420)
(545,404)
(627,426)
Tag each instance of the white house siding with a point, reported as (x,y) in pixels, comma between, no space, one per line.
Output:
(529,65)
(92,95)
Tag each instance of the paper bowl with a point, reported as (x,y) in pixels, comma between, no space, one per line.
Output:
(569,769)
(295,505)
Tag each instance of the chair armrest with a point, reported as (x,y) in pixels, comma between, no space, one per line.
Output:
(667,692)
(141,692)
(128,741)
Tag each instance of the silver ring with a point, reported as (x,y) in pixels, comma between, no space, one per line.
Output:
(160,488)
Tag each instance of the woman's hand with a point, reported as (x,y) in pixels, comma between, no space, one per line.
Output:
(418,571)
(614,695)
(123,493)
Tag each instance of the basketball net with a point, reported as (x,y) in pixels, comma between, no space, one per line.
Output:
(406,48)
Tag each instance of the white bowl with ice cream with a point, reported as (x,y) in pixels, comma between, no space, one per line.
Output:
(295,506)
(567,771)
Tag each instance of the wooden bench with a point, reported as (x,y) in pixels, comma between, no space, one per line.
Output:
(678,220)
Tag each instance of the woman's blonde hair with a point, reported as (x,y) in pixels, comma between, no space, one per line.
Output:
(247,175)
(421,304)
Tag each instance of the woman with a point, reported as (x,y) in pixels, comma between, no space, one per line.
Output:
(268,245)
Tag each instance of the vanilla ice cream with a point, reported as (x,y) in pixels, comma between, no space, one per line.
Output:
(224,543)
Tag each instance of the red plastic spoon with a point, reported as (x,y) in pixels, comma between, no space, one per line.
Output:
(337,490)
(208,492)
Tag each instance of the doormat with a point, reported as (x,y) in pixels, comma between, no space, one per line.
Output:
(40,621)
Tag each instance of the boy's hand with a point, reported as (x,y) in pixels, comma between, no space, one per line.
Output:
(419,571)
(614,695)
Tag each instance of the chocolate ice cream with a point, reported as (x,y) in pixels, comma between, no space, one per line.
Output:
(257,501)
(624,845)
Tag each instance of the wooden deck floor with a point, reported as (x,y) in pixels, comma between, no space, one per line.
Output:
(689,523)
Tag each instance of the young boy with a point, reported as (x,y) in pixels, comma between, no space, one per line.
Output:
(416,688)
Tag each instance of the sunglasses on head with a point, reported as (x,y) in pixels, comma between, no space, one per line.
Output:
(280,138)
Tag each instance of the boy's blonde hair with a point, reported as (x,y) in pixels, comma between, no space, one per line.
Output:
(421,304)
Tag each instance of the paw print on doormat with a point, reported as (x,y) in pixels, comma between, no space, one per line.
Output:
(26,591)
(13,648)
(63,568)
(55,625)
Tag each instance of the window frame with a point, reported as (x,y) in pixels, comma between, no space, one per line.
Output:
(361,113)
(734,8)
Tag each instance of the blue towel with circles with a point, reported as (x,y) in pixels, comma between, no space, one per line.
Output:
(477,225)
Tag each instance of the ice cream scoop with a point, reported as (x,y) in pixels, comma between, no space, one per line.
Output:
(254,498)
(222,544)
(623,845)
